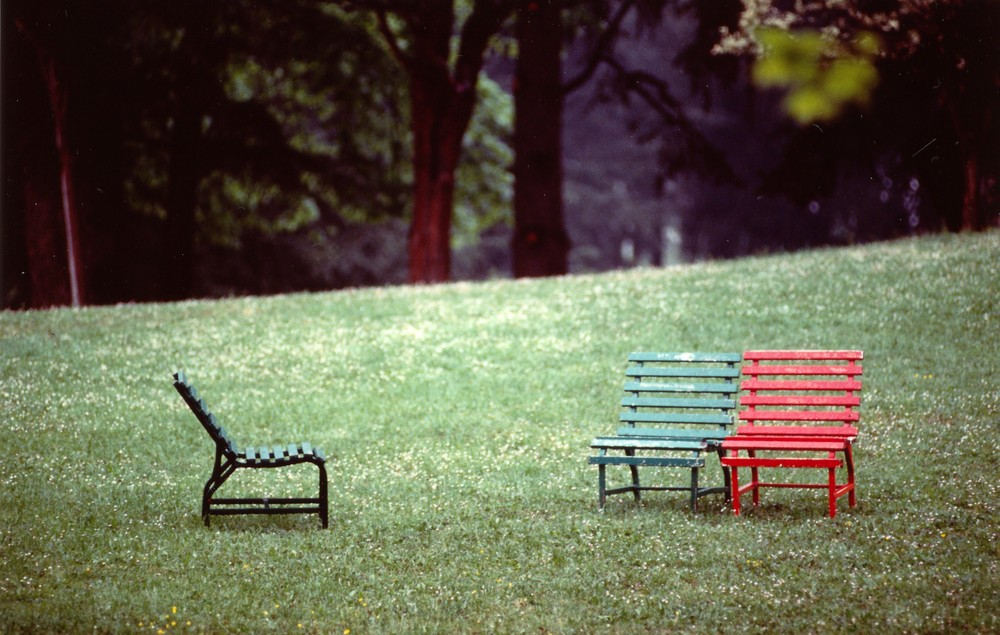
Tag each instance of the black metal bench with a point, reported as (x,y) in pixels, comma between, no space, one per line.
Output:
(229,458)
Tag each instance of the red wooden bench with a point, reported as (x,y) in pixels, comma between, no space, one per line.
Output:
(799,411)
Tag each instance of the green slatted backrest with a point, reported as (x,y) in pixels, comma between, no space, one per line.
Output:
(681,390)
(205,417)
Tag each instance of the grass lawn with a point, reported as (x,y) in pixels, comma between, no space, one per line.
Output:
(458,419)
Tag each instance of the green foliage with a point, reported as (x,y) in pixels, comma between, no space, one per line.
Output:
(822,75)
(484,182)
(298,115)
(458,417)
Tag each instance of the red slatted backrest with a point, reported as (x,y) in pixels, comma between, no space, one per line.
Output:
(802,388)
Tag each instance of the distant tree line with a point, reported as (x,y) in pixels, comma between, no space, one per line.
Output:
(178,149)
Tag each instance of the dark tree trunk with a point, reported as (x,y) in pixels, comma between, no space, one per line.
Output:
(540,245)
(442,99)
(433,102)
(182,196)
(46,207)
(68,202)
(46,198)
(970,199)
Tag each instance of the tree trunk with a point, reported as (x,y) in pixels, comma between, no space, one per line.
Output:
(970,198)
(182,197)
(436,148)
(442,101)
(35,199)
(57,95)
(540,245)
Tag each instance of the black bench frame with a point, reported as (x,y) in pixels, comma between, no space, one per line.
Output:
(229,458)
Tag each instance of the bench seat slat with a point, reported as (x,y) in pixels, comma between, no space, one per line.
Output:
(782,461)
(660,461)
(647,443)
(771,443)
(844,431)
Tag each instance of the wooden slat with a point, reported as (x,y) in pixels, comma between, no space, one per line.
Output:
(808,445)
(779,355)
(799,415)
(694,372)
(646,443)
(847,432)
(801,370)
(212,421)
(756,461)
(293,450)
(661,402)
(306,449)
(202,406)
(729,358)
(800,400)
(727,388)
(661,461)
(851,385)
(251,453)
(675,433)
(683,417)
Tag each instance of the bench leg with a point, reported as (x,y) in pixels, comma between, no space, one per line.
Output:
(220,473)
(736,489)
(849,456)
(694,489)
(324,504)
(601,487)
(726,482)
(206,497)
(754,480)
(833,491)
(635,478)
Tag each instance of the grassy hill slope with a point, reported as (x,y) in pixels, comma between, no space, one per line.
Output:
(459,418)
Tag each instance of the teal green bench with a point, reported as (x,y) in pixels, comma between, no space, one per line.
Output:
(677,408)
(229,458)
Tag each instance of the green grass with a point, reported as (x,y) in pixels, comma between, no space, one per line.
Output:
(459,416)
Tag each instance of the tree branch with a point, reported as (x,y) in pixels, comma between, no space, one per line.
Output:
(698,151)
(484,22)
(604,42)
(390,38)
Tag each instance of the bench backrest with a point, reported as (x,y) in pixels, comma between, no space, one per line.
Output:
(687,390)
(801,393)
(200,409)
